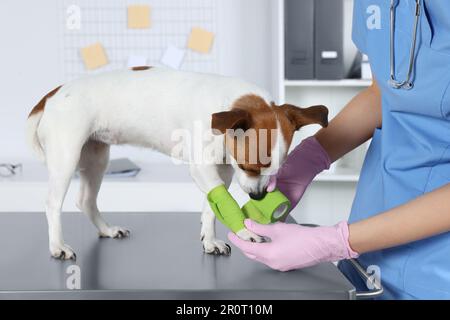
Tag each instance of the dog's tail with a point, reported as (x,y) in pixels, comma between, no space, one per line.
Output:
(33,122)
(32,137)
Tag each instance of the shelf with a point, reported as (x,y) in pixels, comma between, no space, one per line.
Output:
(155,175)
(332,177)
(339,175)
(350,83)
(158,188)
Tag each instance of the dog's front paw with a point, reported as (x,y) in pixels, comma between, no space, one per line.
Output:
(114,232)
(62,252)
(216,247)
(247,235)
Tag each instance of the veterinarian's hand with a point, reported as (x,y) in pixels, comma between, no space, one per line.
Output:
(306,161)
(293,246)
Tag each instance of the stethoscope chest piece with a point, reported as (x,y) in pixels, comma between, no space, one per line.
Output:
(399,85)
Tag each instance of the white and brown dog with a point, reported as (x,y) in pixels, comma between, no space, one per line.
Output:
(74,125)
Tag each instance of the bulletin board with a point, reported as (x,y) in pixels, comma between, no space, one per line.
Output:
(105,22)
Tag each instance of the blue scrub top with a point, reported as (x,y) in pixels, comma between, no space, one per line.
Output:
(410,155)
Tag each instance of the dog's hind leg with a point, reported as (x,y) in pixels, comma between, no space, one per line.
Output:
(93,162)
(62,155)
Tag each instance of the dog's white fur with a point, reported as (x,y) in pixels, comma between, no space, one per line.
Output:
(140,108)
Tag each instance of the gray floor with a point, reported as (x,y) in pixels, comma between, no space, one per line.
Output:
(162,259)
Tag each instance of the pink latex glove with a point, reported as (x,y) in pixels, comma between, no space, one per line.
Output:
(294,247)
(306,161)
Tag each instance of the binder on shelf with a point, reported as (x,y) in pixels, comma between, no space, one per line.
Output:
(299,39)
(329,39)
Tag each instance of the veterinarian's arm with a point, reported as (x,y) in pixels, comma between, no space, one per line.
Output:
(354,125)
(421,218)
(293,246)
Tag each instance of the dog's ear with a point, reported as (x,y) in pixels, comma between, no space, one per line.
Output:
(234,119)
(300,117)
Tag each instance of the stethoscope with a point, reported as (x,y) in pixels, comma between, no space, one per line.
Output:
(407,84)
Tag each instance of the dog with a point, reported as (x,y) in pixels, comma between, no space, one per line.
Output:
(73,127)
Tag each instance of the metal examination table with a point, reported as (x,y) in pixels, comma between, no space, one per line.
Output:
(163,259)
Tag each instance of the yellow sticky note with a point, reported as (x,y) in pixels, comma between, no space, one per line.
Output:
(138,17)
(201,40)
(94,56)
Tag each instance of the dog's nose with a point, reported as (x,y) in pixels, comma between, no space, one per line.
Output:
(258,196)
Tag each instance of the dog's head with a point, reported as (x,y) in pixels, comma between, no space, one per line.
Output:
(258,137)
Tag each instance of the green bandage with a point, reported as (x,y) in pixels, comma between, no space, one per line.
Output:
(226,208)
(272,208)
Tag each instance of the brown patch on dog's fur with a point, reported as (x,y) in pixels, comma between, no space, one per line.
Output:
(253,112)
(286,126)
(248,112)
(141,68)
(234,119)
(301,117)
(292,118)
(41,105)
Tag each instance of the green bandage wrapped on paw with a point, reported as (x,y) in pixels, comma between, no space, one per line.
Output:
(226,208)
(272,208)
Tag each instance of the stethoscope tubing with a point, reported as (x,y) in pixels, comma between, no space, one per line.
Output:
(407,84)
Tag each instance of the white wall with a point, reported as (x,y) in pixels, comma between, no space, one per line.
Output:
(30,61)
